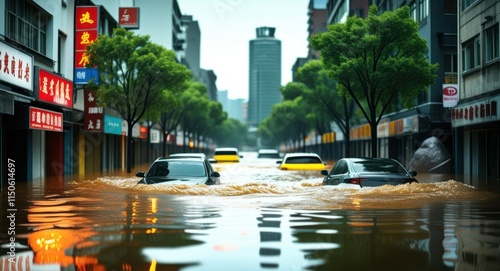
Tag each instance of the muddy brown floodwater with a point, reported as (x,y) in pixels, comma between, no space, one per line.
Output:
(259,218)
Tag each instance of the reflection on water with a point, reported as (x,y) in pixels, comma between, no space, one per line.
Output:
(259,218)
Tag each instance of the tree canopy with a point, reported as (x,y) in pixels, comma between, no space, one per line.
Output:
(377,61)
(134,73)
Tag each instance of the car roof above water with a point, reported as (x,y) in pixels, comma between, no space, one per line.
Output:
(295,154)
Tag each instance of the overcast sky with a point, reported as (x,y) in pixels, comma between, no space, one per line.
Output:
(227,26)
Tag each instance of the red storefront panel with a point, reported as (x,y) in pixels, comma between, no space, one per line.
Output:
(43,119)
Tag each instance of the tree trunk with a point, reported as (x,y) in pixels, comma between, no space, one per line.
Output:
(130,145)
(373,131)
(347,133)
(148,142)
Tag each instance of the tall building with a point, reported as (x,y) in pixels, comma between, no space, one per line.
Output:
(316,23)
(264,75)
(476,117)
(167,32)
(192,46)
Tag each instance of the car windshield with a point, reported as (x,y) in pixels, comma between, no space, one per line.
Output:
(177,169)
(386,166)
(226,153)
(303,160)
(269,155)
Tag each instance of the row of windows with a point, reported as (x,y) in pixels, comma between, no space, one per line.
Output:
(422,12)
(471,50)
(27,25)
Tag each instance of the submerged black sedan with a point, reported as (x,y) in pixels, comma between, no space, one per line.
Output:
(368,172)
(180,170)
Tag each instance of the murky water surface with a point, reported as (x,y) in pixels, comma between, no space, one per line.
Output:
(260,218)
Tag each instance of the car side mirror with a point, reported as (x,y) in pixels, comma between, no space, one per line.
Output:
(324,172)
(215,174)
(413,173)
(279,161)
(139,174)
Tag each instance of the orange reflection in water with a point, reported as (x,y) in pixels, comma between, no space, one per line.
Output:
(50,245)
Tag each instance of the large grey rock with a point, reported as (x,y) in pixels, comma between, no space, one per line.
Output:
(432,157)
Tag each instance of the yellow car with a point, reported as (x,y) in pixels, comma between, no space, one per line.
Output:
(301,161)
(226,155)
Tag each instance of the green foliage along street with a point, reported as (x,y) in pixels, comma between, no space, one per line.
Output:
(378,62)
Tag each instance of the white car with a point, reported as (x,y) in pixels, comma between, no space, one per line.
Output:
(268,153)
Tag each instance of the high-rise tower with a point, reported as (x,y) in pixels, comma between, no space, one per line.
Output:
(264,75)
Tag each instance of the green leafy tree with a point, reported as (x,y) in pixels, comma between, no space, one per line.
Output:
(290,120)
(134,72)
(230,133)
(377,61)
(323,95)
(200,113)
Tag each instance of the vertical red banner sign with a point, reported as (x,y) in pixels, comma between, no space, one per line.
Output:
(86,32)
(93,117)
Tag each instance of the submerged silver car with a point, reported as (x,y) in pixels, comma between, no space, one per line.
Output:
(176,170)
(368,172)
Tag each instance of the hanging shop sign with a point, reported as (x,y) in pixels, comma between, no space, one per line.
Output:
(93,115)
(54,89)
(450,95)
(485,110)
(154,136)
(16,67)
(43,119)
(86,32)
(112,125)
(128,17)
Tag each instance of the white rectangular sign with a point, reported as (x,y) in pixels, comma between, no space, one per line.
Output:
(16,67)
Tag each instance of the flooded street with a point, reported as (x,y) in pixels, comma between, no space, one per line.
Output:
(260,218)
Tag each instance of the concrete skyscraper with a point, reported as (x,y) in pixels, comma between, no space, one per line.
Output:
(264,75)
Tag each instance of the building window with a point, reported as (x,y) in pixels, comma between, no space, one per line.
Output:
(413,10)
(423,10)
(471,53)
(467,3)
(491,42)
(61,46)
(450,68)
(27,25)
(450,6)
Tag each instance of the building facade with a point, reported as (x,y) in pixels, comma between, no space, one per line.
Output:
(476,118)
(400,133)
(264,75)
(44,105)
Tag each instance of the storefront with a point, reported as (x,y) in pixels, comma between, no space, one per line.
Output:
(16,89)
(113,142)
(477,148)
(54,97)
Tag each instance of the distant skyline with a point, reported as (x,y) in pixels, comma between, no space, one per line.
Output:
(227,26)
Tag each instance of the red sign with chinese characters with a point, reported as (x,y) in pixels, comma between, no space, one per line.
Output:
(86,17)
(93,117)
(128,17)
(81,59)
(84,38)
(43,119)
(86,32)
(54,89)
